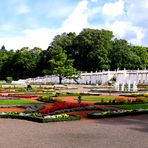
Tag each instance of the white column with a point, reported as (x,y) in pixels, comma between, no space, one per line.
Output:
(129,86)
(117,86)
(122,87)
(134,86)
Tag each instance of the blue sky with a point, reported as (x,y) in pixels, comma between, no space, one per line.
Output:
(34,23)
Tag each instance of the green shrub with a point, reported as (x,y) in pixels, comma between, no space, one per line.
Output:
(20,89)
(48,99)
(9,79)
(45,98)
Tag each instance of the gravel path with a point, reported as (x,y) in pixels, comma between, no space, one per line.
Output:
(123,132)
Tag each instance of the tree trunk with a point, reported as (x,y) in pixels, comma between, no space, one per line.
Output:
(60,79)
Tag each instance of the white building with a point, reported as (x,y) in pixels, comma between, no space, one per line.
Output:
(121,76)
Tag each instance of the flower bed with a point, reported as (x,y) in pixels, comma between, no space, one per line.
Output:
(60,117)
(21,96)
(116,113)
(138,100)
(83,108)
(61,105)
(39,117)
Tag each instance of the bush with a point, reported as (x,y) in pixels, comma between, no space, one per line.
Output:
(45,99)
(48,99)
(9,79)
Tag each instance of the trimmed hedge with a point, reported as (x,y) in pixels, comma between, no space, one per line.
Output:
(48,99)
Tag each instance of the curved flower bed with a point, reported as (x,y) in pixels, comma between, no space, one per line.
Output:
(116,113)
(83,108)
(39,117)
(61,105)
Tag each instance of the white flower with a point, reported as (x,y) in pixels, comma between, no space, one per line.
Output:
(2,113)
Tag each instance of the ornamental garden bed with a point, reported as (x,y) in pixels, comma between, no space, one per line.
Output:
(60,106)
(116,113)
(39,117)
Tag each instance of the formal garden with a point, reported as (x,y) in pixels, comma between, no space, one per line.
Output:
(50,103)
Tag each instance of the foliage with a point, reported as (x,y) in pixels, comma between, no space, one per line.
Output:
(9,79)
(92,48)
(48,99)
(62,66)
(69,53)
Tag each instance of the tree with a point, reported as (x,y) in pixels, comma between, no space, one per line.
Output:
(121,55)
(24,64)
(43,64)
(91,48)
(62,67)
(65,41)
(142,54)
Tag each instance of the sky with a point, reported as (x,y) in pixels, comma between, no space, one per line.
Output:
(34,23)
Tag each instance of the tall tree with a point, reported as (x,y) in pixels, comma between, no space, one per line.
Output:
(24,64)
(92,46)
(62,67)
(65,41)
(122,57)
(142,53)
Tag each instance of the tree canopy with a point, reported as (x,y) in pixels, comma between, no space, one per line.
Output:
(68,53)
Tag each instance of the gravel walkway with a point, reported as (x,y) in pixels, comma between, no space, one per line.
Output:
(123,132)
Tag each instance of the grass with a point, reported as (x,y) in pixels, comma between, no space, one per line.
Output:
(133,106)
(98,99)
(10,102)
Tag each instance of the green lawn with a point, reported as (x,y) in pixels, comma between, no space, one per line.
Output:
(9,102)
(133,106)
(98,99)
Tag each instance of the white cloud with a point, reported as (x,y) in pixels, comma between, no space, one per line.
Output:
(23,9)
(32,38)
(128,19)
(113,9)
(42,37)
(93,11)
(126,30)
(94,1)
(137,12)
(77,20)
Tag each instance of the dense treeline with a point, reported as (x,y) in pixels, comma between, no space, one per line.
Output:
(91,50)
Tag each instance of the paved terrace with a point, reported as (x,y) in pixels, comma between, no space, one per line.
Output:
(123,132)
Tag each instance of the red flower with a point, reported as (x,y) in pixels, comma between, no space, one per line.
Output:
(61,105)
